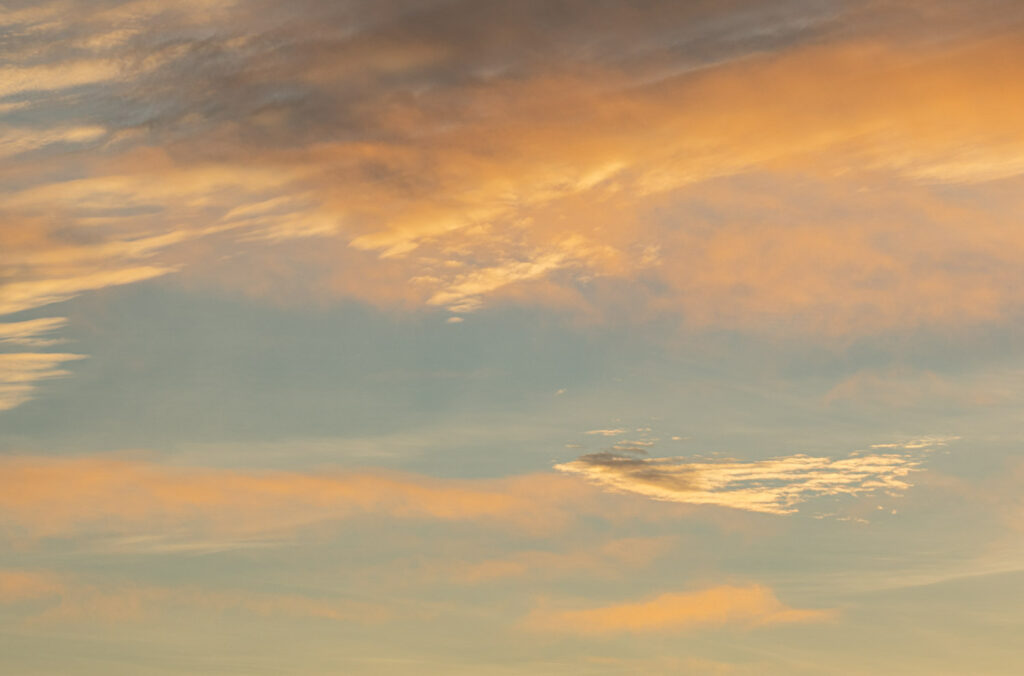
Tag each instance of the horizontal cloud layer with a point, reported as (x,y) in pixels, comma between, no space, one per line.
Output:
(53,496)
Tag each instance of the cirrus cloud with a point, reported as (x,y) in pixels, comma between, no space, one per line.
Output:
(773,486)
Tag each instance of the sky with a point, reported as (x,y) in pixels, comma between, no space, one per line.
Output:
(547,337)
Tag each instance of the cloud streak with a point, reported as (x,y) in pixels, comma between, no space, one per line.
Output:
(104,495)
(748,606)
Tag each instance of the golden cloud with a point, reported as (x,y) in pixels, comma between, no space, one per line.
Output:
(791,188)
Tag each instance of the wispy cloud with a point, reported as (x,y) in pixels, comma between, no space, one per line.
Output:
(21,372)
(31,332)
(773,486)
(108,495)
(748,606)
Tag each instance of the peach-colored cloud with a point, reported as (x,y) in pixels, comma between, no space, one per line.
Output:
(857,253)
(747,606)
(14,141)
(35,78)
(25,295)
(42,497)
(790,189)
(31,332)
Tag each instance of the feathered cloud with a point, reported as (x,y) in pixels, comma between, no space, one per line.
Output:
(31,332)
(773,486)
(21,372)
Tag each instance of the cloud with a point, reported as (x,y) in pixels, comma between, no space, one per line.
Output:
(774,486)
(26,295)
(748,606)
(30,332)
(20,371)
(48,78)
(779,169)
(103,495)
(14,141)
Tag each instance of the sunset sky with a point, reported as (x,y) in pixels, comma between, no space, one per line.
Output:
(511,337)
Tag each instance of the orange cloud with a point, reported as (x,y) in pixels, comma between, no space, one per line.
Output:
(791,189)
(41,497)
(748,606)
(828,222)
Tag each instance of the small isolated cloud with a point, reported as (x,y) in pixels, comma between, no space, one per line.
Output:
(773,486)
(608,433)
(748,606)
